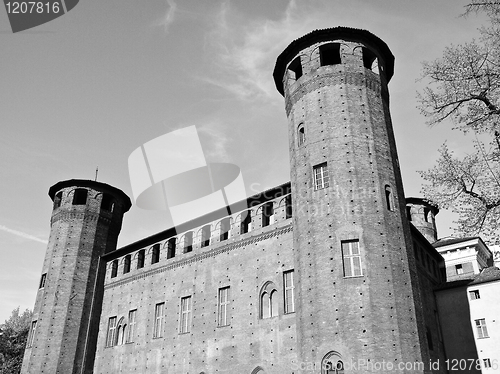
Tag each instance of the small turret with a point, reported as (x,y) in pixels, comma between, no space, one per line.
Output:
(85,223)
(422,215)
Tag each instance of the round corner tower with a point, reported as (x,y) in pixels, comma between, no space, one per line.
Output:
(422,215)
(357,288)
(85,223)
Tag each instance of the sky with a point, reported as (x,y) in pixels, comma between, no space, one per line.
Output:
(88,88)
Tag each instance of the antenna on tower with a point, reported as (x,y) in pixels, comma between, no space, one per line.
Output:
(96,171)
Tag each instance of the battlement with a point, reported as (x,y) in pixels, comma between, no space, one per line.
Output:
(267,211)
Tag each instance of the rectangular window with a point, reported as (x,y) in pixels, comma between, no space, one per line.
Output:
(111,336)
(482,332)
(288,291)
(351,258)
(486,363)
(131,325)
(459,269)
(31,335)
(474,295)
(185,326)
(42,280)
(223,306)
(158,322)
(320,173)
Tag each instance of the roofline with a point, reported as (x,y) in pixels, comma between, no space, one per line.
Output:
(461,241)
(90,184)
(476,281)
(253,200)
(321,35)
(422,201)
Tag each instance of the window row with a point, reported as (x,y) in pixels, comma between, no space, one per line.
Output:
(330,54)
(204,237)
(321,180)
(124,330)
(80,196)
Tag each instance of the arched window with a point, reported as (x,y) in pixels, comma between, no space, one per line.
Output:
(171,244)
(267,214)
(370,60)
(225,227)
(265,303)
(58,200)
(268,301)
(205,236)
(120,332)
(80,196)
(427,212)
(188,242)
(155,257)
(332,364)
(107,203)
(114,268)
(126,264)
(389,199)
(246,222)
(274,303)
(408,212)
(140,258)
(329,54)
(295,69)
(301,134)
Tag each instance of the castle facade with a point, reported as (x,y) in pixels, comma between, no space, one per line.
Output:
(330,273)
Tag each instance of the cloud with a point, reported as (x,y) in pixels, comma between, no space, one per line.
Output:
(22,234)
(214,139)
(244,51)
(169,16)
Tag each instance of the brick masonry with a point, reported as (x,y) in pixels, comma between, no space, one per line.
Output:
(384,315)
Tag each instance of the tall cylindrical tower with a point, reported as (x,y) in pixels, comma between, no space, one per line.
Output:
(86,220)
(358,301)
(422,215)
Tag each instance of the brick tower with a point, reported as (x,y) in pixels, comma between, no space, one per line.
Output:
(358,299)
(85,223)
(422,214)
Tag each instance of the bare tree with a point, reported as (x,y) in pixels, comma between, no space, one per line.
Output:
(464,88)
